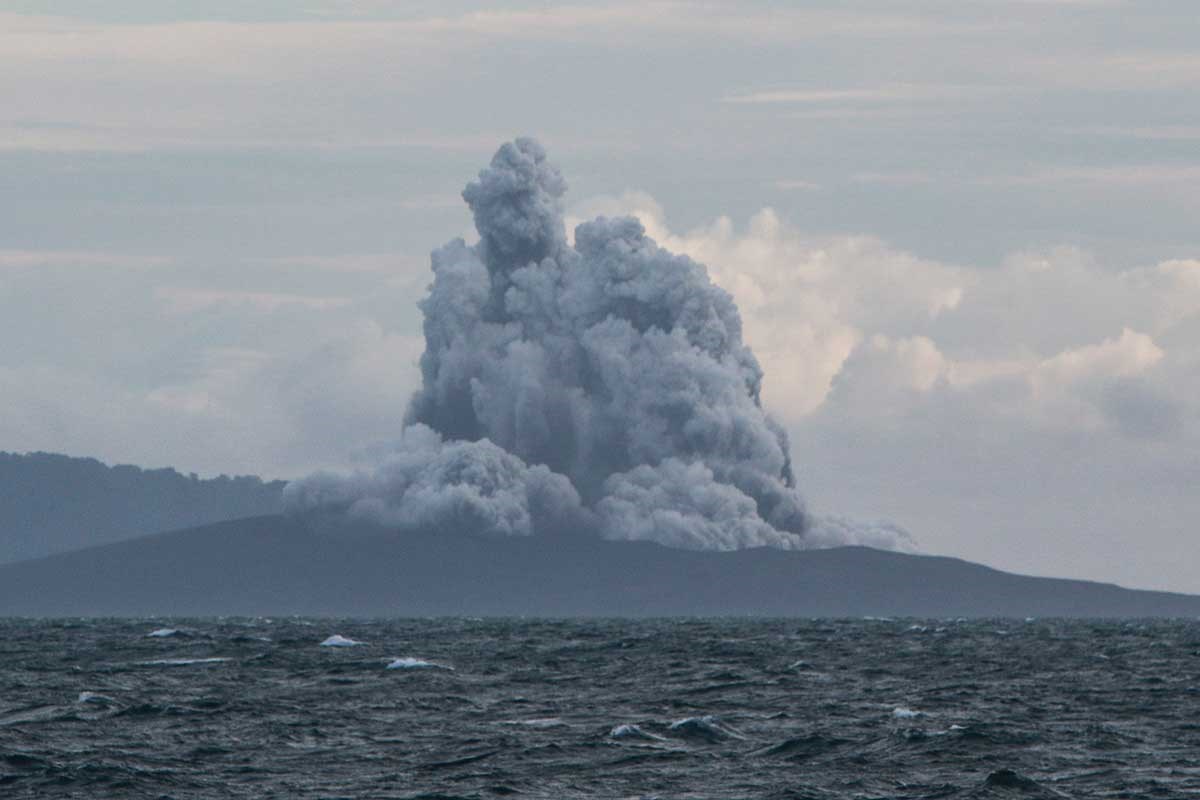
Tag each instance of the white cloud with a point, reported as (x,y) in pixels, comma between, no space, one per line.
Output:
(1130,353)
(223,374)
(274,413)
(167,364)
(853,323)
(806,302)
(1172,289)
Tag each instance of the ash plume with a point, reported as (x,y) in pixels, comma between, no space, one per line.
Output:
(601,386)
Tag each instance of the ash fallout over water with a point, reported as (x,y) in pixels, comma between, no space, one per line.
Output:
(602,387)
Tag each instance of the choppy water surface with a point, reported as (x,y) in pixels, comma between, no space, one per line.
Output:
(543,709)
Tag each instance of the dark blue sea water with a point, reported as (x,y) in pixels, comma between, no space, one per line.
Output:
(613,709)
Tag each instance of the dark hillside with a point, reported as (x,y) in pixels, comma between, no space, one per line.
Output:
(280,565)
(53,503)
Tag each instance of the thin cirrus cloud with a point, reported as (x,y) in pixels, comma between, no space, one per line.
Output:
(27,259)
(1162,133)
(1186,175)
(178,300)
(1112,68)
(718,18)
(52,37)
(793,185)
(890,93)
(895,103)
(901,178)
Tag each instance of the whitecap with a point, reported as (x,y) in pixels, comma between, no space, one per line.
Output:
(337,640)
(906,713)
(162,633)
(540,722)
(182,662)
(415,663)
(93,697)
(630,731)
(709,728)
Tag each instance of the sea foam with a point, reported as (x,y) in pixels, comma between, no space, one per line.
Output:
(93,697)
(630,731)
(707,728)
(337,640)
(416,663)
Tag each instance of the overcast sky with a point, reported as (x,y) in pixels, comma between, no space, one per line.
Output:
(963,235)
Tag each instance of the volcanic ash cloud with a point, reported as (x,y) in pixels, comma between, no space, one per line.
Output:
(601,387)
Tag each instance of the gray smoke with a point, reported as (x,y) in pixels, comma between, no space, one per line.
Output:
(602,386)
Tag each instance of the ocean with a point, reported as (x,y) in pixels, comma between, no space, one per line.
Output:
(704,708)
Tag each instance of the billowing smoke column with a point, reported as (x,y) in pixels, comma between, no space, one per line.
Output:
(602,387)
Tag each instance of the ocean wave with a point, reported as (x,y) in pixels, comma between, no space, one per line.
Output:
(337,640)
(630,731)
(416,663)
(163,633)
(706,728)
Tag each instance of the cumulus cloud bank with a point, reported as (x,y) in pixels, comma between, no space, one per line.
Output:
(599,384)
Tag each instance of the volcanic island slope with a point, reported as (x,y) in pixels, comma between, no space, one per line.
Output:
(301,565)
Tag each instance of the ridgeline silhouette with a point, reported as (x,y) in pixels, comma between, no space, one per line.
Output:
(52,503)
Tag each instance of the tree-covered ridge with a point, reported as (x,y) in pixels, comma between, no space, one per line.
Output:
(50,503)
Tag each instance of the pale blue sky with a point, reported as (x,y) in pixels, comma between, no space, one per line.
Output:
(977,290)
